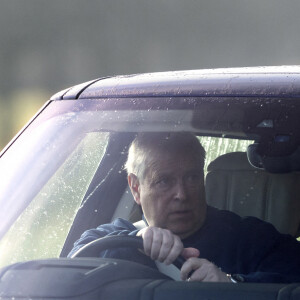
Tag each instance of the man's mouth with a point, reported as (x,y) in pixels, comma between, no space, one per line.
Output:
(181,212)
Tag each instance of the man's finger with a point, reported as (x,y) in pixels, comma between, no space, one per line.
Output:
(147,241)
(175,251)
(189,266)
(157,239)
(166,247)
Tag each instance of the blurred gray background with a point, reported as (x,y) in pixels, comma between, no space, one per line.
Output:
(47,46)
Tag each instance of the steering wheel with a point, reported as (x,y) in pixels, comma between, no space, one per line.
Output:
(93,249)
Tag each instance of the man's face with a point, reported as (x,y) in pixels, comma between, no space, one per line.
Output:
(172,193)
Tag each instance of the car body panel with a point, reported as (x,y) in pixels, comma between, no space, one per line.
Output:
(243,82)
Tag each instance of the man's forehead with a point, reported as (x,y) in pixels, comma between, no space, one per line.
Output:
(163,163)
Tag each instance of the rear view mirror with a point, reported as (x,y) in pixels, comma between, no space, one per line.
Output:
(274,164)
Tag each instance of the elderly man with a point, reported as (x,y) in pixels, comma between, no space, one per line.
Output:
(166,178)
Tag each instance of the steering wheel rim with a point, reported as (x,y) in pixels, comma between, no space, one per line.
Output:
(93,248)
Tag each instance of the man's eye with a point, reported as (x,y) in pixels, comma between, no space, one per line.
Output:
(163,182)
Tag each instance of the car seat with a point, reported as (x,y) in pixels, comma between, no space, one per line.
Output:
(233,184)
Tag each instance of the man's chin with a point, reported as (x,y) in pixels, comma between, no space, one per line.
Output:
(182,231)
(184,228)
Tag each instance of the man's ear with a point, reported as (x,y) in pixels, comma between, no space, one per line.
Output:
(134,185)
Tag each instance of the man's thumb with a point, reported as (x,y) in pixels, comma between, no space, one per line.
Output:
(190,252)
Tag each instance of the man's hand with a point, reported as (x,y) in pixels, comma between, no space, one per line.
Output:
(204,271)
(164,246)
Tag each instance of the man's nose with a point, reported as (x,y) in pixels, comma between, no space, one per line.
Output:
(180,190)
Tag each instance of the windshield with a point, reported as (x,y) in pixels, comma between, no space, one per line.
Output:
(48,174)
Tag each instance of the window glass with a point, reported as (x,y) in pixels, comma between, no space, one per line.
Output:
(41,229)
(215,147)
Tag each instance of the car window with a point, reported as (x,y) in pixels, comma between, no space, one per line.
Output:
(42,228)
(215,147)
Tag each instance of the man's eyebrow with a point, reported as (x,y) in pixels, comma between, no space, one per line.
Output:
(156,174)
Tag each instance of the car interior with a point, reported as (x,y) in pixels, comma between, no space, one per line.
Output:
(233,184)
(248,191)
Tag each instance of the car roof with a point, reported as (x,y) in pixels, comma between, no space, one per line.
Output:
(279,81)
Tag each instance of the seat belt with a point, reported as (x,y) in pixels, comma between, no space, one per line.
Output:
(140,224)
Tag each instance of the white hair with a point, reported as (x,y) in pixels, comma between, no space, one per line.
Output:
(145,144)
